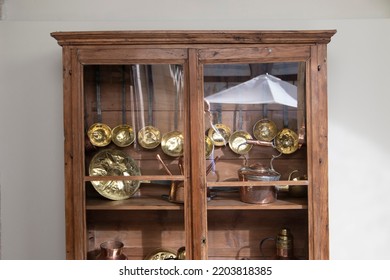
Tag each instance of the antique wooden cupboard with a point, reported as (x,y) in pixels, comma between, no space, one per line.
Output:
(161,80)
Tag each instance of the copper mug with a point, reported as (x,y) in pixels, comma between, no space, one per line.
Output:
(284,245)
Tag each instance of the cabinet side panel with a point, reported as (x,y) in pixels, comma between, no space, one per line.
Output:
(318,191)
(67,103)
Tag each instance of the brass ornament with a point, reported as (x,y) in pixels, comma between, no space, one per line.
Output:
(286,141)
(99,134)
(149,137)
(238,142)
(265,130)
(172,143)
(209,146)
(123,135)
(161,254)
(219,134)
(112,162)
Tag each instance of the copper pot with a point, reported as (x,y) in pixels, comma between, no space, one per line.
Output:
(258,194)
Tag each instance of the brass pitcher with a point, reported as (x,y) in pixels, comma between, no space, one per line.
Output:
(284,245)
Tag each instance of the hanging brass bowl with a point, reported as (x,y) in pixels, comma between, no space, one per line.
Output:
(172,143)
(209,146)
(123,135)
(99,134)
(286,141)
(112,162)
(220,134)
(149,137)
(265,130)
(238,142)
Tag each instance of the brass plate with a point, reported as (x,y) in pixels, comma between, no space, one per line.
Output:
(209,146)
(112,162)
(161,254)
(172,143)
(286,141)
(265,130)
(237,142)
(123,135)
(149,137)
(99,134)
(221,136)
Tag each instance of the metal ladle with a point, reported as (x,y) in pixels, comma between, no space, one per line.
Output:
(123,135)
(149,137)
(99,134)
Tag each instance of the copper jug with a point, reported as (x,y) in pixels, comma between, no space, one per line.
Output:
(111,250)
(284,245)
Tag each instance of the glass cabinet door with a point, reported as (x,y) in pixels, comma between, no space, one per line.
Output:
(134,120)
(256,160)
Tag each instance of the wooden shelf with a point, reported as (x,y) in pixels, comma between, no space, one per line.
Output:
(152,199)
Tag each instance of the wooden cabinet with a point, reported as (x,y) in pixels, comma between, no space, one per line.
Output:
(166,81)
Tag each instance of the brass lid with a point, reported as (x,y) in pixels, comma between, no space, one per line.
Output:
(172,143)
(149,137)
(99,134)
(238,144)
(111,162)
(219,134)
(123,135)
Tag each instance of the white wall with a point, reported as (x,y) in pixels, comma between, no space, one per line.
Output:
(31,138)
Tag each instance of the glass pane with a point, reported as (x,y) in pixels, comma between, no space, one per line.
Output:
(134,124)
(255,131)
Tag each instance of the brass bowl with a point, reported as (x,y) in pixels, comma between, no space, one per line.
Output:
(123,135)
(220,134)
(238,144)
(172,143)
(265,130)
(209,146)
(99,134)
(286,141)
(111,162)
(149,137)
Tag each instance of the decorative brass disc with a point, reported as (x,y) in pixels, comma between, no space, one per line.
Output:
(238,144)
(161,254)
(286,141)
(209,146)
(172,143)
(149,137)
(112,162)
(265,130)
(99,134)
(221,136)
(123,135)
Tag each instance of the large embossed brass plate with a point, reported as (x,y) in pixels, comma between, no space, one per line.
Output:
(238,144)
(112,162)
(220,134)
(161,254)
(123,135)
(265,130)
(149,137)
(172,143)
(286,141)
(99,134)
